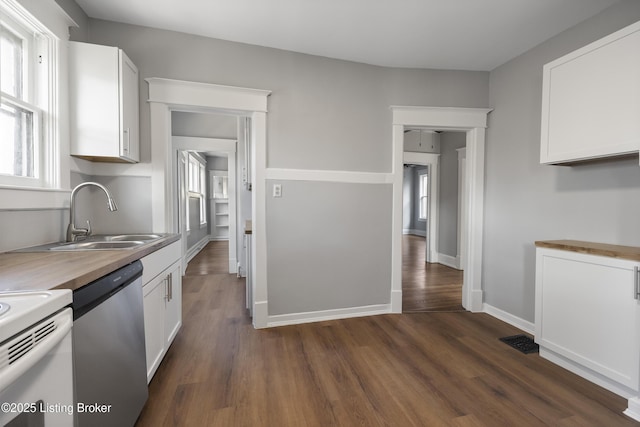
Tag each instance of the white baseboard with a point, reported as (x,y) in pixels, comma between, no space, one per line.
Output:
(586,373)
(233,266)
(195,249)
(320,316)
(509,318)
(217,239)
(449,261)
(260,314)
(421,233)
(396,301)
(633,408)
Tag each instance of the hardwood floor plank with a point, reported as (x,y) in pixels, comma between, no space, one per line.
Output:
(419,369)
(427,286)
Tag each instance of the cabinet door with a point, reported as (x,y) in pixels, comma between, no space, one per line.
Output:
(154,314)
(586,311)
(591,100)
(173,306)
(94,88)
(129,114)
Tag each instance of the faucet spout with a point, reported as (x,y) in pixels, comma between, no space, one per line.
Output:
(72,231)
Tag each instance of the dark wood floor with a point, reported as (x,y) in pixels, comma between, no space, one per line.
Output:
(419,369)
(427,286)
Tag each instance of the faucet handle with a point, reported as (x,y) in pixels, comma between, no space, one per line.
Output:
(88,228)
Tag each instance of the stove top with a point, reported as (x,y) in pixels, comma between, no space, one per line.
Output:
(20,310)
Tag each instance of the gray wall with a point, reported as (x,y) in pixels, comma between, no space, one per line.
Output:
(331,252)
(196,233)
(24,228)
(448,192)
(132,195)
(203,125)
(217,163)
(323,114)
(526,201)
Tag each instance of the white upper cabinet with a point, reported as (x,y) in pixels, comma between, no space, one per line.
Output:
(422,141)
(591,101)
(104,104)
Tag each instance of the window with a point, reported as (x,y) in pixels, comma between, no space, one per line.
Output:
(27,126)
(424,196)
(196,185)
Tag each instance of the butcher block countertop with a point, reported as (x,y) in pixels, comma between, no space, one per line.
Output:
(21,271)
(601,249)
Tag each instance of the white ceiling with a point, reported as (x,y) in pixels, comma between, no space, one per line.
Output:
(444,34)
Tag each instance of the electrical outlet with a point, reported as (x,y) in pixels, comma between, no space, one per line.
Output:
(277,190)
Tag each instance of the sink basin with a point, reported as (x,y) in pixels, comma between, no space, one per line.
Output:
(125,237)
(106,242)
(97,245)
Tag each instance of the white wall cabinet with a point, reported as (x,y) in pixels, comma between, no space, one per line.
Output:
(422,141)
(591,101)
(104,105)
(162,292)
(588,316)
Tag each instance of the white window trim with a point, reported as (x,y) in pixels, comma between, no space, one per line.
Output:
(201,187)
(48,16)
(422,216)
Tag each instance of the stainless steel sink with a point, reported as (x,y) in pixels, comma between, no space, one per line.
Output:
(108,242)
(90,245)
(125,237)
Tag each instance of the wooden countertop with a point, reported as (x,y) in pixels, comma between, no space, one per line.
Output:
(591,248)
(67,270)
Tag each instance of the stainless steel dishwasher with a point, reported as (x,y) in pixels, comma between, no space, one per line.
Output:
(109,349)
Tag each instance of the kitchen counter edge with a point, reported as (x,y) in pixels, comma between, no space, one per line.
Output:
(25,271)
(592,248)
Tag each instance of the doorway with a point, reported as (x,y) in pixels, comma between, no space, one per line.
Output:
(471,121)
(167,95)
(432,274)
(205,141)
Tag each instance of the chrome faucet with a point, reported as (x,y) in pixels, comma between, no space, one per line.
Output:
(72,232)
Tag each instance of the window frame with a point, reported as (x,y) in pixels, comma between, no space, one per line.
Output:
(196,186)
(423,196)
(51,190)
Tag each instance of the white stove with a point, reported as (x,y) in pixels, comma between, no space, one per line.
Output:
(36,371)
(19,310)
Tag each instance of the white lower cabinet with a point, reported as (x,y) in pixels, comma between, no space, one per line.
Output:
(588,316)
(162,292)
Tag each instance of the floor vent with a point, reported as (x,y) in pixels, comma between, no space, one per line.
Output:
(522,343)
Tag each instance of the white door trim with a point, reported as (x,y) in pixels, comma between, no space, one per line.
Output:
(166,95)
(462,206)
(473,121)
